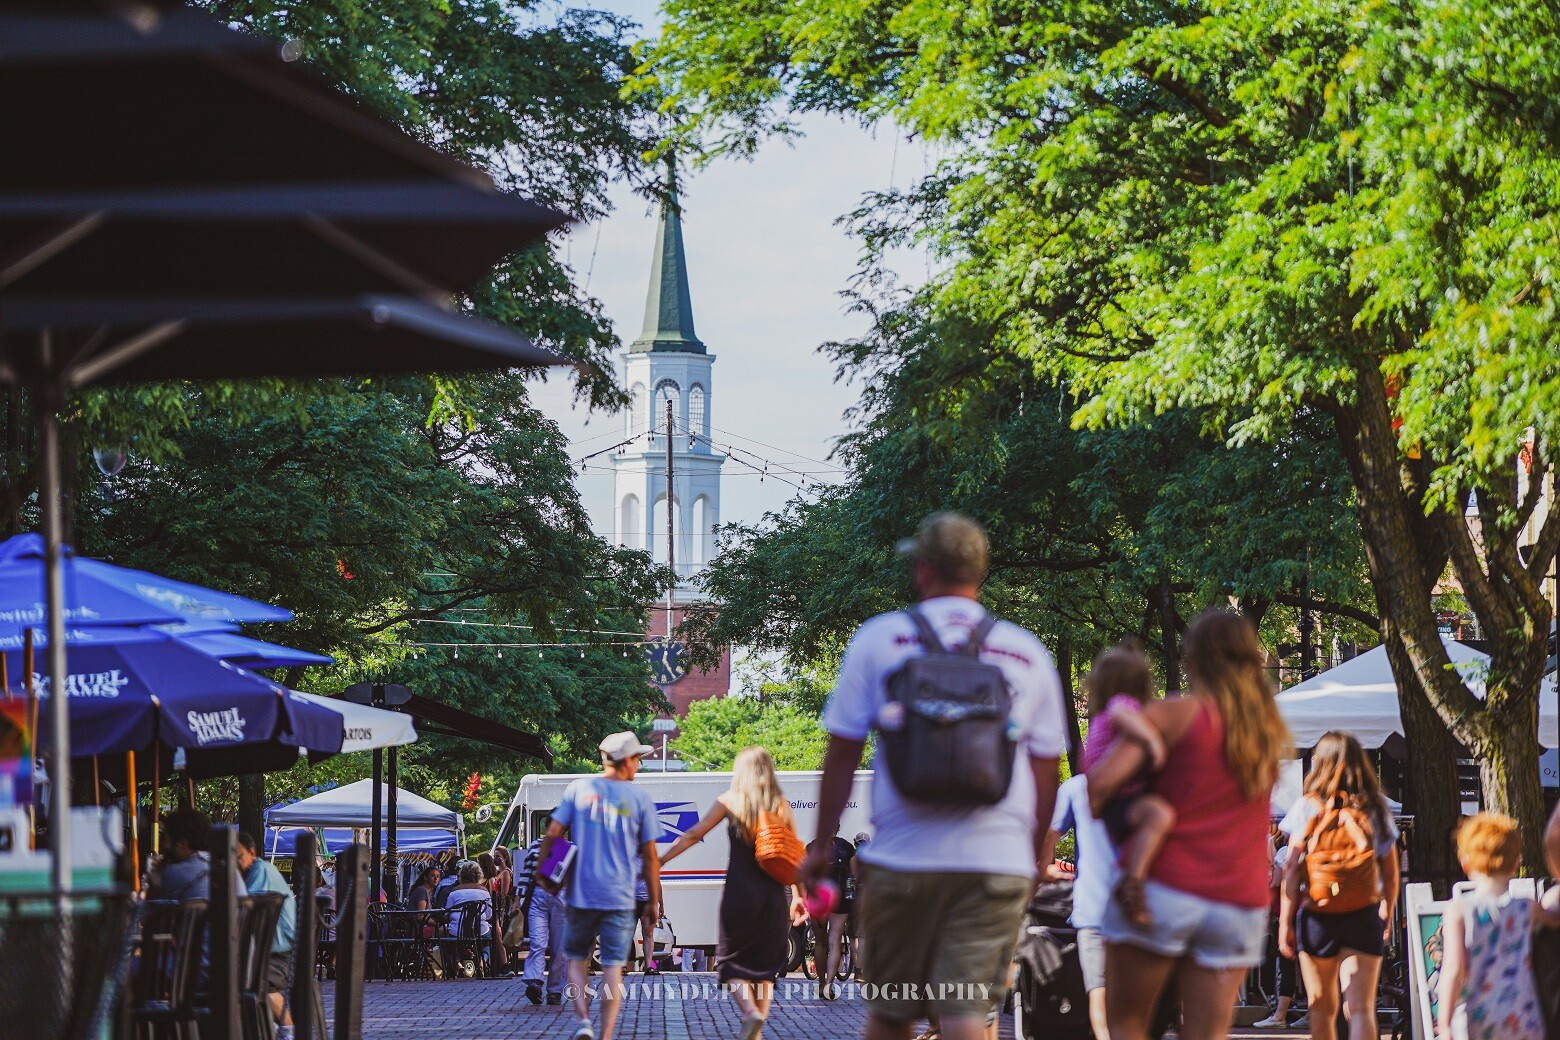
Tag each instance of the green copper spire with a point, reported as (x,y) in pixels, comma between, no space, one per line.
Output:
(669,307)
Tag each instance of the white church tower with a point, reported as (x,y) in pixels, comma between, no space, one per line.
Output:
(667,363)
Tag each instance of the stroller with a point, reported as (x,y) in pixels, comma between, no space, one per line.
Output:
(1051,1001)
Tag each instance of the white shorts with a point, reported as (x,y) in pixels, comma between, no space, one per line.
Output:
(1214,935)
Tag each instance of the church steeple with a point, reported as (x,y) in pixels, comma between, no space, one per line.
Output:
(669,305)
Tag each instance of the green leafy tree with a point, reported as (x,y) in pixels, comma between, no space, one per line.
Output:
(1261,211)
(366,506)
(714,731)
(1096,534)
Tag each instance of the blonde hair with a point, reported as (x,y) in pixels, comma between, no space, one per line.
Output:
(1490,844)
(755,789)
(1122,669)
(1225,661)
(1340,769)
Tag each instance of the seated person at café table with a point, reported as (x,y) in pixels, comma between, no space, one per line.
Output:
(261,876)
(470,889)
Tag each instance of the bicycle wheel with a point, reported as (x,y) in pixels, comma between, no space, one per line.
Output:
(795,950)
(846,966)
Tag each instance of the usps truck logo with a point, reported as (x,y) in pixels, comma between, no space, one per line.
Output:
(87,684)
(210,726)
(677,819)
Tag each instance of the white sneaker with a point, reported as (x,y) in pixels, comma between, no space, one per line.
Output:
(584,1032)
(750,1026)
(1303,1022)
(1271,1022)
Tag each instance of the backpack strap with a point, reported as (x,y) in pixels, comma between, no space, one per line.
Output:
(978,636)
(923,628)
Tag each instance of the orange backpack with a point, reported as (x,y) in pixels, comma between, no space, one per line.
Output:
(1340,860)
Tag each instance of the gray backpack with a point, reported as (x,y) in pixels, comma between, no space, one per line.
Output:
(944,729)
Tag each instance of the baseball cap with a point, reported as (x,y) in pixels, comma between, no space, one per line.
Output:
(952,544)
(620,746)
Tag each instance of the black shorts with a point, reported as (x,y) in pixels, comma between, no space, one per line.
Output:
(641,908)
(278,977)
(1335,935)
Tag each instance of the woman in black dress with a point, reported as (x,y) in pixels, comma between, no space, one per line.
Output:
(755,909)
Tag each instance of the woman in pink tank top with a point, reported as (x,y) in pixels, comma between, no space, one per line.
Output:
(1207,890)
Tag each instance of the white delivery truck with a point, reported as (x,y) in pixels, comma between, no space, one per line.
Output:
(692,885)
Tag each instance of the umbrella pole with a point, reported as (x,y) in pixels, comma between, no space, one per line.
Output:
(29,667)
(189,791)
(46,400)
(156,792)
(135,823)
(97,783)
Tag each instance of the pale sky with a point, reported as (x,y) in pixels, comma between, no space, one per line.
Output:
(767,265)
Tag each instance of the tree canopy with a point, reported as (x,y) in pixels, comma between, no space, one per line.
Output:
(1259,211)
(368,505)
(714,731)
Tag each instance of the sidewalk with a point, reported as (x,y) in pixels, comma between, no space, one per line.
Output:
(673,1006)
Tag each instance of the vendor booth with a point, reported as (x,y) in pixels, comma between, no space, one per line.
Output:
(1360,697)
(351,807)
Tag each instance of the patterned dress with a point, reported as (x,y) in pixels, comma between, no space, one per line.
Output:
(1499,998)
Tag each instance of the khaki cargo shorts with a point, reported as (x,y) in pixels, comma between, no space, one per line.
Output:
(940,940)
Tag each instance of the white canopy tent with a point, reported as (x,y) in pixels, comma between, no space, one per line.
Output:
(1360,697)
(366,727)
(352,806)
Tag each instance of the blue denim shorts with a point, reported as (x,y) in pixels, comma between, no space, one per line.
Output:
(615,929)
(1214,935)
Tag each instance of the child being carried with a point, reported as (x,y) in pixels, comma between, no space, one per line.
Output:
(1119,683)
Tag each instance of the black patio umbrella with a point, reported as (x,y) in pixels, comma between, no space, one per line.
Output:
(93,101)
(426,237)
(134,102)
(111,341)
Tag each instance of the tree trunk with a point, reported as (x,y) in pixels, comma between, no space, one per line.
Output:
(1403,580)
(1509,782)
(1169,634)
(251,805)
(1064,669)
(1433,798)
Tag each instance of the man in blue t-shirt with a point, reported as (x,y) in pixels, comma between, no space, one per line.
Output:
(614,828)
(262,876)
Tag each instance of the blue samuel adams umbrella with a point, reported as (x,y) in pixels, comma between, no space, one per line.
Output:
(129,688)
(98,593)
(252,653)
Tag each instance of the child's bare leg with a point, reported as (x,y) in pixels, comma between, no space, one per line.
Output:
(1152,818)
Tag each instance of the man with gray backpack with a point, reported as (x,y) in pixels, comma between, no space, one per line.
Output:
(969,717)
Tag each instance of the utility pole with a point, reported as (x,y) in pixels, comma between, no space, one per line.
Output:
(671,534)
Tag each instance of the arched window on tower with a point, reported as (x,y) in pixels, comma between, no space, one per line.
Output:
(696,411)
(666,390)
(637,408)
(629,522)
(702,536)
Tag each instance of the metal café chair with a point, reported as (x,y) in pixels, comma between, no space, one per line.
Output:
(258,916)
(325,944)
(469,943)
(163,993)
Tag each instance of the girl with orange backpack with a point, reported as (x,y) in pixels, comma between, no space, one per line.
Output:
(1340,886)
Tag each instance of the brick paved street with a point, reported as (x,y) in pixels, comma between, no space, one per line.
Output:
(674,1007)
